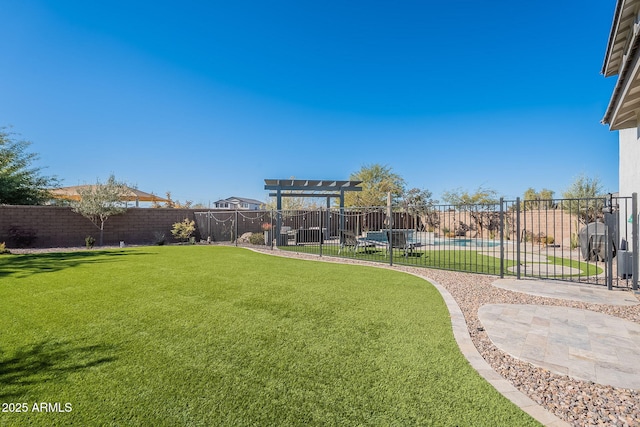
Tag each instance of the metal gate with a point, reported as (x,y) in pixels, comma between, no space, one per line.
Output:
(579,240)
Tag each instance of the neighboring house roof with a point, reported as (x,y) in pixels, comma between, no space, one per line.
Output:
(239,200)
(621,59)
(245,200)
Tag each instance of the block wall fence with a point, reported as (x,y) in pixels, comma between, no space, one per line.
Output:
(54,226)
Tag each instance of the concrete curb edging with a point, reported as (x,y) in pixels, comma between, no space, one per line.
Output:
(468,349)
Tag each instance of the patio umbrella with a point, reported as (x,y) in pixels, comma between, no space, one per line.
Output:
(129,195)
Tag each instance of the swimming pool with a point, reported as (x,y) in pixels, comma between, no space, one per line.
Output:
(466,242)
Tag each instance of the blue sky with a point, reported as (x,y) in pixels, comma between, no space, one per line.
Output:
(207,99)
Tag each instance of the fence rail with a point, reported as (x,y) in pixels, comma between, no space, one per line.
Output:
(579,240)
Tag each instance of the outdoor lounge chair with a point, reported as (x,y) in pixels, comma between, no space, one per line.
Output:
(398,240)
(378,239)
(348,239)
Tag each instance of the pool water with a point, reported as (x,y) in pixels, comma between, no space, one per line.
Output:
(466,242)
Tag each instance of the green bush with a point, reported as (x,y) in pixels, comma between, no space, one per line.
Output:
(89,241)
(3,249)
(574,241)
(256,239)
(183,230)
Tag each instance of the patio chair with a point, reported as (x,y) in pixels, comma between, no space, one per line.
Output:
(398,240)
(378,239)
(348,239)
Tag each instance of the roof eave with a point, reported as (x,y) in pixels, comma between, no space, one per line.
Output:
(612,33)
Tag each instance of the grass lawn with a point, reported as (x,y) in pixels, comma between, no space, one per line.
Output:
(196,335)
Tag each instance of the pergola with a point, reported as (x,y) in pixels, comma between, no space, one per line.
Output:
(309,188)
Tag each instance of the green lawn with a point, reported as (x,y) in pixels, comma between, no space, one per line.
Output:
(196,335)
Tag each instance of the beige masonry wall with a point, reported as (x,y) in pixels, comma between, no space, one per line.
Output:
(551,222)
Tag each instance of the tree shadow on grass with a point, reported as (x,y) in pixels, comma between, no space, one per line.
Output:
(47,361)
(30,264)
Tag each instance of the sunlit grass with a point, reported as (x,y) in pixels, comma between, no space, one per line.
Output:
(196,335)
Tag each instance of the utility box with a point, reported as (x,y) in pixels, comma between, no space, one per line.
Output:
(625,264)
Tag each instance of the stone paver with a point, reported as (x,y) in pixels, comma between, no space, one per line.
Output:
(545,269)
(461,334)
(556,289)
(579,343)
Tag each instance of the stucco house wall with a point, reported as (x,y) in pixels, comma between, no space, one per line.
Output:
(621,61)
(629,177)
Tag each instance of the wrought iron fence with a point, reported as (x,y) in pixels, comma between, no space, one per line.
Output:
(578,240)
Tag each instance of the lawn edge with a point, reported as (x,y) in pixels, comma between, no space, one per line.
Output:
(461,335)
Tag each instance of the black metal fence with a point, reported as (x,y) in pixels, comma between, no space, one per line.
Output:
(578,240)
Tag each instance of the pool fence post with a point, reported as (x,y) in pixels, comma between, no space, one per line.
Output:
(634,237)
(502,237)
(320,235)
(279,239)
(390,233)
(610,235)
(236,226)
(271,230)
(518,237)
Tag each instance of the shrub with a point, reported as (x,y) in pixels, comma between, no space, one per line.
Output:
(89,241)
(256,239)
(183,230)
(22,237)
(575,242)
(3,249)
(550,240)
(159,238)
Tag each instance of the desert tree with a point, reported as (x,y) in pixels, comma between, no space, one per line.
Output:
(419,203)
(584,198)
(542,199)
(170,203)
(377,182)
(481,206)
(101,201)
